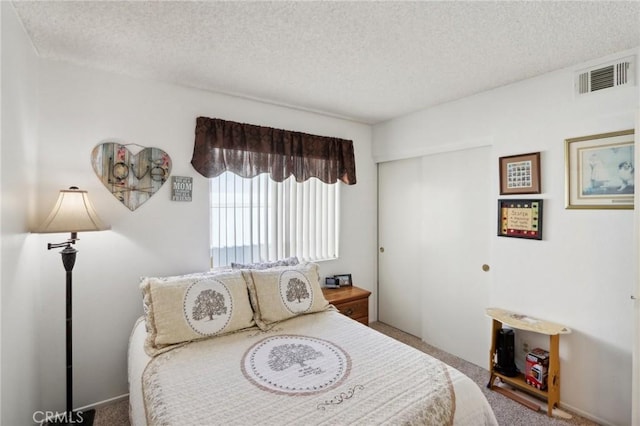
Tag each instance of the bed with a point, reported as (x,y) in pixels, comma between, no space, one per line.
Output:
(315,366)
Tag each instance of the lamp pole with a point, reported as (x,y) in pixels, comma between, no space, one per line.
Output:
(69,260)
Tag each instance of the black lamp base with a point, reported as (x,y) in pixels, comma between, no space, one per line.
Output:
(77,418)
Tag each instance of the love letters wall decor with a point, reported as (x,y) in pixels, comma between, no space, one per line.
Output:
(131,178)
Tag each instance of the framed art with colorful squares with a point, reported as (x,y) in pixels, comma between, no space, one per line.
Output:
(520,219)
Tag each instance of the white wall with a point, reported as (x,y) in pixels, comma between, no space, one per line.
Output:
(19,278)
(81,108)
(582,273)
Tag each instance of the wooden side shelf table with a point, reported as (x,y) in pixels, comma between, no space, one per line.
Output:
(351,301)
(527,323)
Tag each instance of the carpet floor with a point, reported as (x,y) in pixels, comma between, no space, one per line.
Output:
(507,411)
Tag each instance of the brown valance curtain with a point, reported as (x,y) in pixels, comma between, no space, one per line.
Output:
(249,150)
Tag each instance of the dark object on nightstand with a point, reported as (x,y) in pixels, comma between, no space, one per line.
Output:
(331,282)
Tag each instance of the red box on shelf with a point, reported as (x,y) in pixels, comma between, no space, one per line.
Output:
(536,368)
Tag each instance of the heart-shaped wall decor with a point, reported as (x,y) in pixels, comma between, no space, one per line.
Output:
(131,178)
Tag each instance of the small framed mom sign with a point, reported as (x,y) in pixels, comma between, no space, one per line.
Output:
(520,219)
(181,188)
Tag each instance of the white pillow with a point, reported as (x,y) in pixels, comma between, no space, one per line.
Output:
(281,293)
(191,307)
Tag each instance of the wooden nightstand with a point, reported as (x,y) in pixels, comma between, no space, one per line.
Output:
(351,301)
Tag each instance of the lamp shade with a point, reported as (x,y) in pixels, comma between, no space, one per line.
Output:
(73,212)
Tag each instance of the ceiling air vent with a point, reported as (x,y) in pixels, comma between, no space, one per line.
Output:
(606,76)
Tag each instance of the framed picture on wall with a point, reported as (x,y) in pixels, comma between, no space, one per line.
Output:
(520,219)
(520,174)
(599,171)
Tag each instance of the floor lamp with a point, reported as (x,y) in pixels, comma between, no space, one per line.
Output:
(72,213)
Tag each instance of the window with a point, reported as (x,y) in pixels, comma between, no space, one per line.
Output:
(258,219)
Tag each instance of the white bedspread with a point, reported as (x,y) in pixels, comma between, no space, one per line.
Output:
(322,368)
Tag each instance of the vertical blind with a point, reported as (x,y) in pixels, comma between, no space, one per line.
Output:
(257,219)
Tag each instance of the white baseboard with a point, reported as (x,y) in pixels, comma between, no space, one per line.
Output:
(586,415)
(104,403)
(561,405)
(52,416)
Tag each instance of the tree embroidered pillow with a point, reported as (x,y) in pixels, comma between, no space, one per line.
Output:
(193,307)
(285,292)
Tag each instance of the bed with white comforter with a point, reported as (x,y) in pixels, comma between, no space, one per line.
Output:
(315,369)
(264,347)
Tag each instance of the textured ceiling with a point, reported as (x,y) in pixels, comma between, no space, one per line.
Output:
(366,61)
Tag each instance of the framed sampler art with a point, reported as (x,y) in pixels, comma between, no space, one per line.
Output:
(520,174)
(520,219)
(599,171)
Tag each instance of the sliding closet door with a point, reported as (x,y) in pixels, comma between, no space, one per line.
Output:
(399,228)
(458,228)
(435,226)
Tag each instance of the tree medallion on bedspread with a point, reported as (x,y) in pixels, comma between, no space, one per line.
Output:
(295,365)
